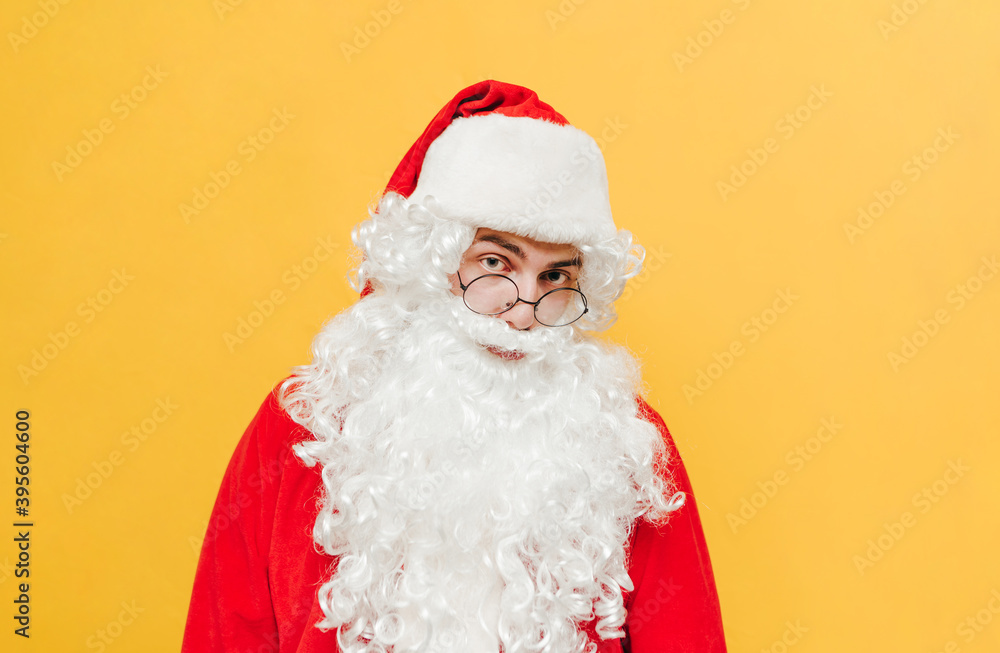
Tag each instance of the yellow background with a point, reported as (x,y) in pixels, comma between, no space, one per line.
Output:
(721,258)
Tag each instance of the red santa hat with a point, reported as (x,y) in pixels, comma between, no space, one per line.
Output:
(496,156)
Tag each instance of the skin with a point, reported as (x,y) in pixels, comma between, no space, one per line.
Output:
(536,267)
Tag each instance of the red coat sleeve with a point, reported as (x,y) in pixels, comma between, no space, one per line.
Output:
(674,607)
(231,608)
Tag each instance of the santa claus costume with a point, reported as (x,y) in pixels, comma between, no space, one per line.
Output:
(438,481)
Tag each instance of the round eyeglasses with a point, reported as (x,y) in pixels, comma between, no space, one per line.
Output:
(494,294)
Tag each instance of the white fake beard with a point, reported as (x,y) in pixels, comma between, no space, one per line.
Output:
(473,500)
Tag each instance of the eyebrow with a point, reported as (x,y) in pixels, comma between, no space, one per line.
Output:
(568,263)
(518,252)
(506,244)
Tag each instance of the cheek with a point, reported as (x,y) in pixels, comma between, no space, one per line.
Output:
(468,272)
(456,289)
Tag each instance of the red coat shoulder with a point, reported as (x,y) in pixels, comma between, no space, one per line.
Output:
(258,574)
(675,605)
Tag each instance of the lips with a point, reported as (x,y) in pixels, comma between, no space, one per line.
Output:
(505,354)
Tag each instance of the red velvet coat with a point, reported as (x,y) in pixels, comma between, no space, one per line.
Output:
(255,590)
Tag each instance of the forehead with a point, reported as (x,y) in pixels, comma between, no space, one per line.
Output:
(529,247)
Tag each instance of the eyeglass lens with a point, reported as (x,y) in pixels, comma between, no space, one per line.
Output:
(493,294)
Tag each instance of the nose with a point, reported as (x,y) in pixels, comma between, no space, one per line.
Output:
(522,316)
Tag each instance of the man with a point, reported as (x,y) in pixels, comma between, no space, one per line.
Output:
(462,468)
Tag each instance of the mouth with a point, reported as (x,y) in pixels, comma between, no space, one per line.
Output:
(505,354)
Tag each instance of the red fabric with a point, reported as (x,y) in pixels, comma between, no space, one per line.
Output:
(255,590)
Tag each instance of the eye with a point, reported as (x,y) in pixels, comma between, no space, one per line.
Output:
(556,277)
(494,264)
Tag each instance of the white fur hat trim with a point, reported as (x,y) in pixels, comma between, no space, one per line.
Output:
(525,176)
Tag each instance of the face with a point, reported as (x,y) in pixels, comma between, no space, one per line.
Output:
(536,267)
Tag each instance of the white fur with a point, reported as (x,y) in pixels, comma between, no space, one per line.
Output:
(524,176)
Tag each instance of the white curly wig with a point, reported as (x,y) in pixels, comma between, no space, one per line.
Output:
(406,247)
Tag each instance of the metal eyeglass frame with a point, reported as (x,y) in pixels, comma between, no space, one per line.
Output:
(534,304)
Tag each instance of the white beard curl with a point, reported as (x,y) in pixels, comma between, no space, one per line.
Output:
(473,501)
